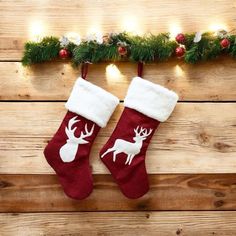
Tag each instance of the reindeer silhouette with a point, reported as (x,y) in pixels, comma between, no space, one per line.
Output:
(129,148)
(68,151)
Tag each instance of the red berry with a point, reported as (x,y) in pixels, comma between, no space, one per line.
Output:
(180,38)
(122,50)
(179,51)
(64,53)
(225,43)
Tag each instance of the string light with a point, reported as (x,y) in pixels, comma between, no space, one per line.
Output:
(124,45)
(130,24)
(36,30)
(73,37)
(95,33)
(174,29)
(215,27)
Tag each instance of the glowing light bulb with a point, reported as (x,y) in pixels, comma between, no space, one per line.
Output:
(95,33)
(179,71)
(36,30)
(215,27)
(174,29)
(73,37)
(131,25)
(112,72)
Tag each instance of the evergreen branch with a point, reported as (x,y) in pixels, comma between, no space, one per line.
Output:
(46,50)
(147,48)
(207,48)
(232,48)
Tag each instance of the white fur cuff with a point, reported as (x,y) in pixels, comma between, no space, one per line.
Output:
(150,99)
(91,102)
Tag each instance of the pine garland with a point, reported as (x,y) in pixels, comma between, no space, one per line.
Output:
(43,51)
(147,48)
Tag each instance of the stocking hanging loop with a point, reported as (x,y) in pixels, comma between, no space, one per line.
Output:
(140,69)
(84,70)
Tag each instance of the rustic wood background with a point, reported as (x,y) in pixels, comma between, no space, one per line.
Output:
(191,161)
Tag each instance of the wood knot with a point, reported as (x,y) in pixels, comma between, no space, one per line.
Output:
(15,214)
(222,147)
(178,231)
(168,80)
(203,138)
(5,184)
(170,141)
(24,95)
(219,203)
(101,234)
(142,206)
(15,42)
(214,97)
(147,216)
(219,194)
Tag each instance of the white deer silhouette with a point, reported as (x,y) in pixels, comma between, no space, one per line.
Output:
(129,148)
(68,151)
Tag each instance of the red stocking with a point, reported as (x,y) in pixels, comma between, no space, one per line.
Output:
(146,105)
(89,108)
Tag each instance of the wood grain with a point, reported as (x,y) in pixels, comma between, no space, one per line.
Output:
(198,138)
(60,17)
(37,193)
(120,223)
(210,81)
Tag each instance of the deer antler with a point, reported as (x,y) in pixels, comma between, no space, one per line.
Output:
(142,132)
(69,131)
(136,130)
(87,133)
(146,133)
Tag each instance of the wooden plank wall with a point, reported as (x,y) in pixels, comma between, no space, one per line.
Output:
(192,158)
